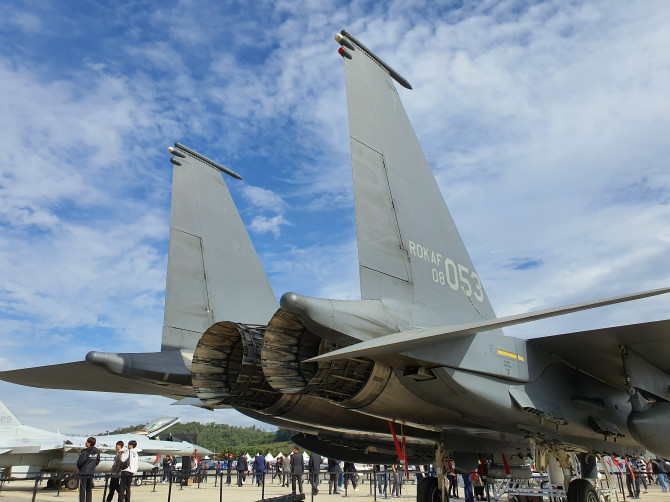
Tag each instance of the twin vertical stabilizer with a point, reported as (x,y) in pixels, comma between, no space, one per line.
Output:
(408,246)
(214,273)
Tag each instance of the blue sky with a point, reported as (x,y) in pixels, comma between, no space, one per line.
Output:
(545,123)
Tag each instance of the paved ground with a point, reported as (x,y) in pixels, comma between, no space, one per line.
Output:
(207,492)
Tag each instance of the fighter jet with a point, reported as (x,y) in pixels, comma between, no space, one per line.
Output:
(26,451)
(421,355)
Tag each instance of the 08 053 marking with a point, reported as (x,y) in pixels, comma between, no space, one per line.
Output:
(446,272)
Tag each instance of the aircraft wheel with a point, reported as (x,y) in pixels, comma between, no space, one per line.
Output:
(581,490)
(71,483)
(429,491)
(137,481)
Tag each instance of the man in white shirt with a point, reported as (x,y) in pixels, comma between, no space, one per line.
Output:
(129,465)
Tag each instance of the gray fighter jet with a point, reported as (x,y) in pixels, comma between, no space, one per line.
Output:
(421,355)
(26,451)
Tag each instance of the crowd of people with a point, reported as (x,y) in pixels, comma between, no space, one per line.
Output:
(638,473)
(290,472)
(641,473)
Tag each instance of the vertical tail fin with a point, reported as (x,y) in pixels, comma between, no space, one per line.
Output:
(7,419)
(408,245)
(214,273)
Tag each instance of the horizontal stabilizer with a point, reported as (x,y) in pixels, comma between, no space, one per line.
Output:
(86,376)
(407,340)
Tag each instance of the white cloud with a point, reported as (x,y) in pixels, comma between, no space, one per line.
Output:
(263,224)
(264,198)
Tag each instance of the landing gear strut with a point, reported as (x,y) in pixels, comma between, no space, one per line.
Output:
(433,488)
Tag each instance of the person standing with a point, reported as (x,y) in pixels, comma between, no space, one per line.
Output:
(453,480)
(88,459)
(116,474)
(334,471)
(259,468)
(242,468)
(350,474)
(658,468)
(297,469)
(129,465)
(467,488)
(166,463)
(397,481)
(279,466)
(229,469)
(477,485)
(314,468)
(286,470)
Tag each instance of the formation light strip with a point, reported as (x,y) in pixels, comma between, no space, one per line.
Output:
(512,355)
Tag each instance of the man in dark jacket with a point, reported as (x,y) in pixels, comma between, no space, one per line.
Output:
(259,468)
(116,474)
(297,469)
(229,468)
(334,470)
(242,468)
(314,467)
(350,474)
(658,468)
(88,459)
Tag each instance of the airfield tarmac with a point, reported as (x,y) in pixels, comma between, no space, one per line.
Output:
(207,492)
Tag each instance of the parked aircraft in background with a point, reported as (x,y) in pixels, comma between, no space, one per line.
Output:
(422,353)
(26,451)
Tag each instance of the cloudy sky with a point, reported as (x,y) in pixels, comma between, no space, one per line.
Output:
(546,125)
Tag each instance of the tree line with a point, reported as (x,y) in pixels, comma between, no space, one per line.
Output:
(223,438)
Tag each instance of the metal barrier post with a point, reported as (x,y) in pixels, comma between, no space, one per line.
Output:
(373,484)
(221,489)
(104,492)
(155,472)
(37,479)
(170,488)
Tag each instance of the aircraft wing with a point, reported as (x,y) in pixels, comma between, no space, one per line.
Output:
(83,375)
(650,341)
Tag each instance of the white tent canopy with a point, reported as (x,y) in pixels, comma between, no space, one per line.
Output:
(269,457)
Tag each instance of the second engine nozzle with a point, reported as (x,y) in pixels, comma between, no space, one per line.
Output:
(287,343)
(226,367)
